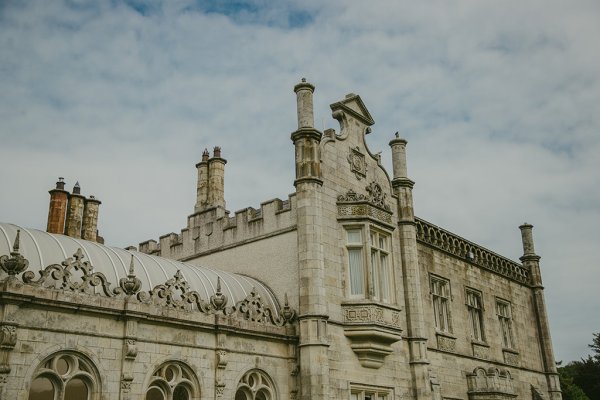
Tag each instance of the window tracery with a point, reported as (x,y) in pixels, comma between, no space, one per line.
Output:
(173,381)
(65,376)
(255,385)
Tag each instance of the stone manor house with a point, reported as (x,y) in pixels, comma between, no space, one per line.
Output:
(337,292)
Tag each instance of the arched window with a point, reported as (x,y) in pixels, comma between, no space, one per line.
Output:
(255,385)
(173,381)
(65,376)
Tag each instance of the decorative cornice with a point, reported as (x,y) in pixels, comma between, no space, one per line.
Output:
(448,242)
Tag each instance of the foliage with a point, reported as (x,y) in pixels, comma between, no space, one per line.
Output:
(580,380)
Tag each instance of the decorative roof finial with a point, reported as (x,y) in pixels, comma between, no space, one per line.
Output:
(205,155)
(287,313)
(217,152)
(218,300)
(76,188)
(131,267)
(16,263)
(130,285)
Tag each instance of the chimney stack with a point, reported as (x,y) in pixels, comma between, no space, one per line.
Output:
(75,213)
(216,179)
(58,208)
(89,229)
(202,186)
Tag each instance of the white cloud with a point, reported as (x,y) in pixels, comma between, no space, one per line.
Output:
(499,102)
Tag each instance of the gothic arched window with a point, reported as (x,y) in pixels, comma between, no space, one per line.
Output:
(64,376)
(173,381)
(255,385)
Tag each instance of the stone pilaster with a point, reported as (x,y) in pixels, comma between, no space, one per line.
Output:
(313,315)
(531,261)
(413,297)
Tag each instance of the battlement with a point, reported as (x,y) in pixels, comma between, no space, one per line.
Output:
(213,229)
(455,245)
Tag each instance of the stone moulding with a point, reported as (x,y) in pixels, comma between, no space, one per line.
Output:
(372,329)
(175,293)
(448,242)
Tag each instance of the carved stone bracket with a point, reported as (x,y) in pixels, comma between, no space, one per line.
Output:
(372,329)
(491,383)
(8,336)
(130,349)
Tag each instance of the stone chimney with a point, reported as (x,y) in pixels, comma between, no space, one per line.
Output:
(57,211)
(202,186)
(75,213)
(89,229)
(216,179)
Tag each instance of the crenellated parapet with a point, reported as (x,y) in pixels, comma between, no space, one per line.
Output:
(432,235)
(208,231)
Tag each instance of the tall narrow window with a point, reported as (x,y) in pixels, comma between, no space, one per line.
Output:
(355,261)
(475,310)
(380,269)
(440,294)
(504,317)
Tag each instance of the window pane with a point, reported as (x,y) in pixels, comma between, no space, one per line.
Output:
(384,277)
(181,393)
(76,390)
(375,275)
(41,389)
(155,393)
(356,271)
(242,394)
(62,366)
(354,236)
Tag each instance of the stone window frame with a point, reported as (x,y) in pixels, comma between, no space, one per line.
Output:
(368,392)
(370,290)
(78,366)
(441,302)
(255,384)
(173,375)
(505,321)
(476,314)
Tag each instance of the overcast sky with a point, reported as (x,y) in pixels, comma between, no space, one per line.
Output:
(499,101)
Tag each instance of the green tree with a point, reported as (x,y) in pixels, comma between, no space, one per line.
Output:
(582,375)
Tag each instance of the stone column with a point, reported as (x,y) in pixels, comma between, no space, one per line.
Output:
(202,186)
(75,213)
(531,261)
(416,334)
(57,212)
(313,314)
(89,230)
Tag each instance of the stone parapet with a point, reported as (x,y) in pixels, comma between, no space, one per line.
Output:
(432,235)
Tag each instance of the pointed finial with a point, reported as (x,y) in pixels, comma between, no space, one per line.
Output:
(76,188)
(131,269)
(218,284)
(78,254)
(285,300)
(16,244)
(205,155)
(397,134)
(303,79)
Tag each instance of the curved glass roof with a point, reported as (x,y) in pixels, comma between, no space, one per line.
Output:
(42,249)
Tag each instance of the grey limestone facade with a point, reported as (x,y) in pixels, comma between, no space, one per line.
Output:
(337,292)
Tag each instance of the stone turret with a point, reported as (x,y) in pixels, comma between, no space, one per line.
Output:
(75,212)
(416,335)
(57,211)
(531,261)
(313,313)
(89,229)
(216,179)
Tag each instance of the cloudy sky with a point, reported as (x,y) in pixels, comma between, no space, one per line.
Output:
(500,103)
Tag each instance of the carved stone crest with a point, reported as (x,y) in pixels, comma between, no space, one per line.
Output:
(357,162)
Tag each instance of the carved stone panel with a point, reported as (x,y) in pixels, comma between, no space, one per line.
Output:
(358,164)
(481,350)
(511,357)
(446,343)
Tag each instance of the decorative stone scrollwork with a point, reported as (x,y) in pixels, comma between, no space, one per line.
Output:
(377,195)
(446,343)
(461,248)
(16,263)
(253,309)
(64,274)
(511,357)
